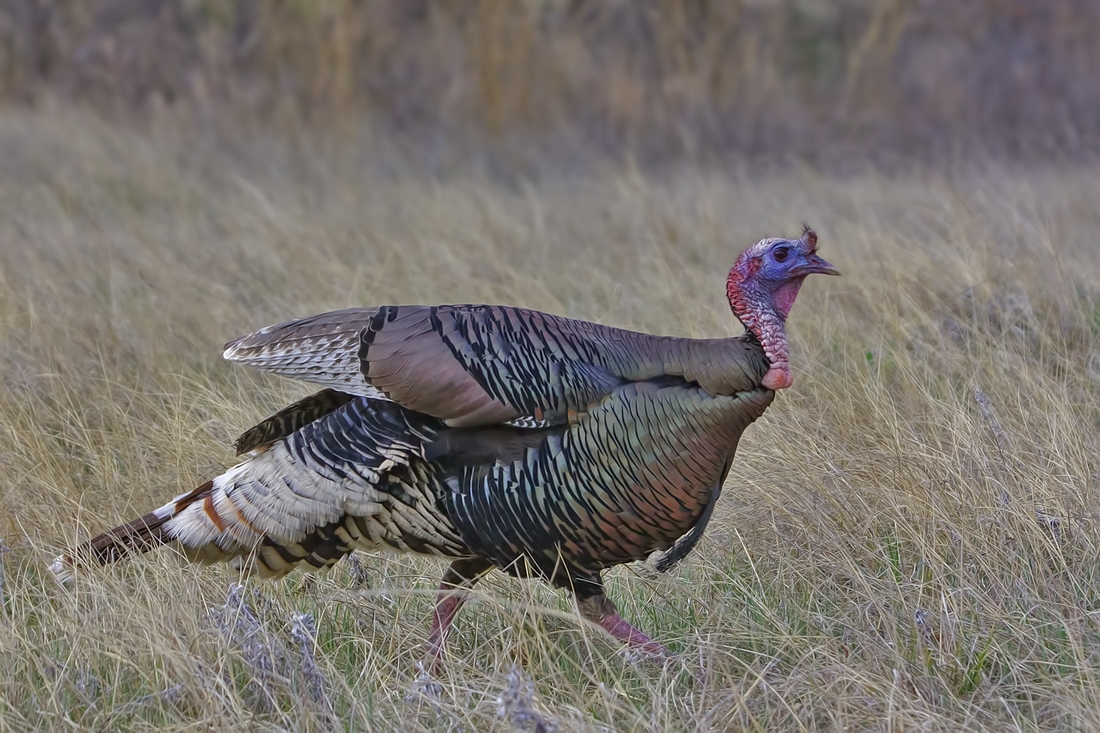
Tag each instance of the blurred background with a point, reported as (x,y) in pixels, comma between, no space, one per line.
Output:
(832,82)
(909,538)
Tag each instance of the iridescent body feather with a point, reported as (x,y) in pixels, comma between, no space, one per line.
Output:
(494,436)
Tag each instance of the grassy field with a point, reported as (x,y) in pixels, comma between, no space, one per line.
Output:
(908,539)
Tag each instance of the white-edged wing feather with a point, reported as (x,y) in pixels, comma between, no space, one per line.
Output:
(321,349)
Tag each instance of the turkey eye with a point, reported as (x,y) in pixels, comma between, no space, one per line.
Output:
(780,254)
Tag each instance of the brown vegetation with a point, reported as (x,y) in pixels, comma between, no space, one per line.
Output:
(828,80)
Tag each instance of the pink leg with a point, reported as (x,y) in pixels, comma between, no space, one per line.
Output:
(602,611)
(622,630)
(447,603)
(459,578)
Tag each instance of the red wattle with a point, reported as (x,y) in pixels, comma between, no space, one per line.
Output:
(778,377)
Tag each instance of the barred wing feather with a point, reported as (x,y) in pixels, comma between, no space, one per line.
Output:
(471,365)
(321,349)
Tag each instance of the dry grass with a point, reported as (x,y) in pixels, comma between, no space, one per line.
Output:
(895,549)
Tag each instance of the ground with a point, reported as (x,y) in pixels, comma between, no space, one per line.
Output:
(908,537)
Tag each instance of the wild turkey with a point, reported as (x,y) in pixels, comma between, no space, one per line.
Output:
(492,436)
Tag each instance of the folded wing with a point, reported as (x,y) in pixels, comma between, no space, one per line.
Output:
(472,365)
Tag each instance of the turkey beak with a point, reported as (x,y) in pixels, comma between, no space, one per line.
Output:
(814,265)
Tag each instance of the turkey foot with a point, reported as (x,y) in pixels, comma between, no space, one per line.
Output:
(424,687)
(636,640)
(600,610)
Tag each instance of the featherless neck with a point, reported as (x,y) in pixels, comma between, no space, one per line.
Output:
(764,314)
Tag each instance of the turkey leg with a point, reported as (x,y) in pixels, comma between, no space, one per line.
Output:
(459,578)
(599,609)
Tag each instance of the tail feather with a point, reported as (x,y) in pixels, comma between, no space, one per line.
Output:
(306,501)
(136,536)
